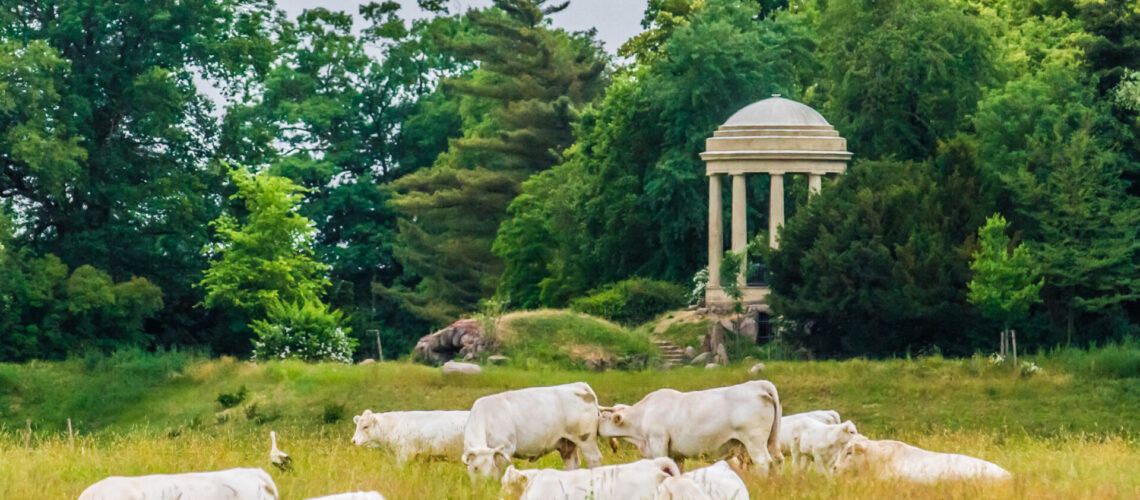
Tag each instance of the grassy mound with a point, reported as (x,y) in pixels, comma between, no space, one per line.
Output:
(572,340)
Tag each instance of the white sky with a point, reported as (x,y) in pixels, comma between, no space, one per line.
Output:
(616,20)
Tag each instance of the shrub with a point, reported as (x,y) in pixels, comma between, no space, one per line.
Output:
(333,413)
(228,400)
(308,331)
(633,301)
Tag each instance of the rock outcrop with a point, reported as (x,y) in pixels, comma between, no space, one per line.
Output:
(463,339)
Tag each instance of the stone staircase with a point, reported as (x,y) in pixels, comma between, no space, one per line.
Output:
(672,354)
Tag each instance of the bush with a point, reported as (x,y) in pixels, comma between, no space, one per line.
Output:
(308,331)
(228,400)
(633,301)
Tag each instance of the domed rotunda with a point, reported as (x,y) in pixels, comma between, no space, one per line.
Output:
(775,136)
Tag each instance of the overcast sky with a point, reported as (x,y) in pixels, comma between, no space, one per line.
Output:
(616,20)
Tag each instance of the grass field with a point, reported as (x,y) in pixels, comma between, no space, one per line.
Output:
(1069,432)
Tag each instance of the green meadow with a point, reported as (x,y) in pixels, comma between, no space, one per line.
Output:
(1069,431)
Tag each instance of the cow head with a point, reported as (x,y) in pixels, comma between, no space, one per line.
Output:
(485,462)
(366,426)
(854,456)
(614,421)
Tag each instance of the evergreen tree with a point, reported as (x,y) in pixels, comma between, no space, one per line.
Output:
(517,109)
(876,264)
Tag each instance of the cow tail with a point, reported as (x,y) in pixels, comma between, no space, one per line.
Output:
(774,435)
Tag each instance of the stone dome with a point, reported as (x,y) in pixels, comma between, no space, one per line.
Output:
(776,112)
(776,135)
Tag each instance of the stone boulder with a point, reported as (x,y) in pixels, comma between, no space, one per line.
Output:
(702,358)
(721,355)
(367,361)
(461,368)
(750,328)
(712,366)
(756,368)
(690,353)
(498,359)
(461,339)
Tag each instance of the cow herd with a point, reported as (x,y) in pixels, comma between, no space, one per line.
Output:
(743,423)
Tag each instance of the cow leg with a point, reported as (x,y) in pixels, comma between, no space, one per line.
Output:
(569,452)
(656,446)
(757,447)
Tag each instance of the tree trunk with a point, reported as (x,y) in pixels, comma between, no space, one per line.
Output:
(1001,349)
(1069,327)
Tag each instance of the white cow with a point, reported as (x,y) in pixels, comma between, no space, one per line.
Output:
(715,482)
(894,459)
(529,423)
(670,423)
(411,434)
(791,426)
(357,495)
(680,488)
(232,484)
(822,444)
(633,481)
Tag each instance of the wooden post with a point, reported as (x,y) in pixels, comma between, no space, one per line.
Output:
(379,347)
(28,436)
(70,435)
(1013,342)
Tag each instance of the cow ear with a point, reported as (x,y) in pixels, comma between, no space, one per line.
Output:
(466,458)
(849,427)
(356,419)
(499,453)
(367,412)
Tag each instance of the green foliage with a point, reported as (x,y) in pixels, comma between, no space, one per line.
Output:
(517,110)
(266,256)
(901,75)
(625,200)
(1056,152)
(45,312)
(106,139)
(876,264)
(308,331)
(633,301)
(1005,281)
(230,400)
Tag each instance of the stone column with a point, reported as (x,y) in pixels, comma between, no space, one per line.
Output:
(815,183)
(740,222)
(775,208)
(716,228)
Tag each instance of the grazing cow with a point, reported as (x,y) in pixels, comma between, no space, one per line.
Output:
(632,481)
(822,444)
(894,459)
(411,434)
(529,423)
(715,482)
(358,495)
(670,423)
(791,426)
(232,484)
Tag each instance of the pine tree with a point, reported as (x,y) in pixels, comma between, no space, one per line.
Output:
(518,110)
